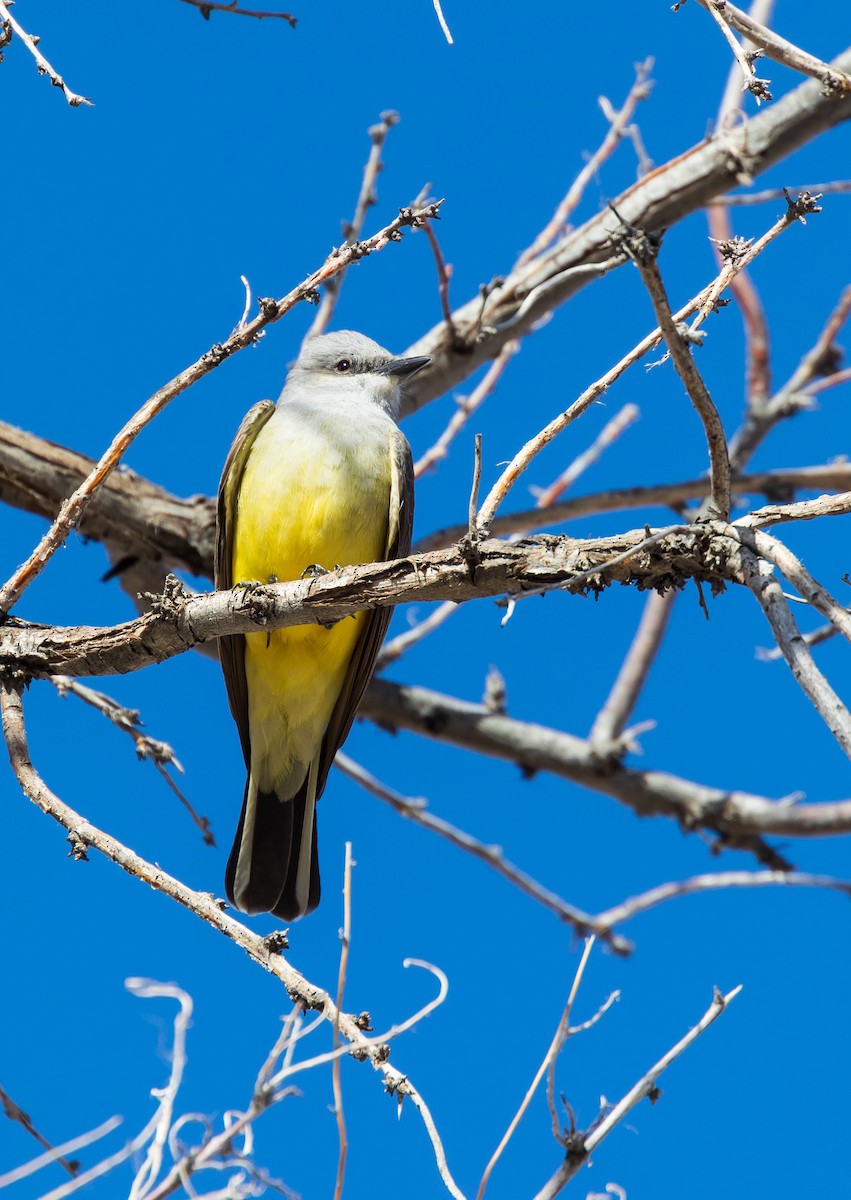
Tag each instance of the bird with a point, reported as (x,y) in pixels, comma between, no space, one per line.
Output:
(324,478)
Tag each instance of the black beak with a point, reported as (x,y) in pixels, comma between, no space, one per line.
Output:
(403,368)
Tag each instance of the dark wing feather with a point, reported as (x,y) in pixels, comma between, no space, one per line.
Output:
(399,530)
(232,649)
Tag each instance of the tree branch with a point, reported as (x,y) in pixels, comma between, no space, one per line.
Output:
(737,817)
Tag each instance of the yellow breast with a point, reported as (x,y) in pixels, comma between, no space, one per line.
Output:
(315,490)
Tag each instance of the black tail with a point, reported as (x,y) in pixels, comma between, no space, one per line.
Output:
(263,867)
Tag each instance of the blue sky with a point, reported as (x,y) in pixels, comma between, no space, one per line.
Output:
(233,147)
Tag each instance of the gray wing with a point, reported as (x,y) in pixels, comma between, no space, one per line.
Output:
(399,530)
(232,648)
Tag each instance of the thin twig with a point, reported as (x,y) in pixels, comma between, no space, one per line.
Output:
(472,527)
(819,360)
(618,128)
(442,20)
(336,1082)
(644,258)
(444,274)
(814,638)
(611,720)
(147,989)
(771,194)
(611,431)
(56,1154)
(208,6)
(270,311)
(549,1058)
(620,913)
(159,753)
(42,65)
(367,197)
(415,810)
(835,379)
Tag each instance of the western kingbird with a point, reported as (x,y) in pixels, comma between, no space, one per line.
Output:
(322,479)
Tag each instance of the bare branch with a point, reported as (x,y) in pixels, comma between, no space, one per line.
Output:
(662,559)
(416,811)
(160,754)
(56,1154)
(610,432)
(208,6)
(7,21)
(821,189)
(444,27)
(367,197)
(611,720)
(644,257)
(336,1082)
(620,913)
(736,816)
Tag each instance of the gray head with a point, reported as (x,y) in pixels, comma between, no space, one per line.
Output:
(349,363)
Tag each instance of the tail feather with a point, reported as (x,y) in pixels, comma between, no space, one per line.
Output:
(301,889)
(273,864)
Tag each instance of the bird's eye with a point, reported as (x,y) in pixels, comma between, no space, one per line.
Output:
(343,365)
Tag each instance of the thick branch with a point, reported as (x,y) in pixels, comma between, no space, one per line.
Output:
(709,553)
(37,475)
(736,816)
